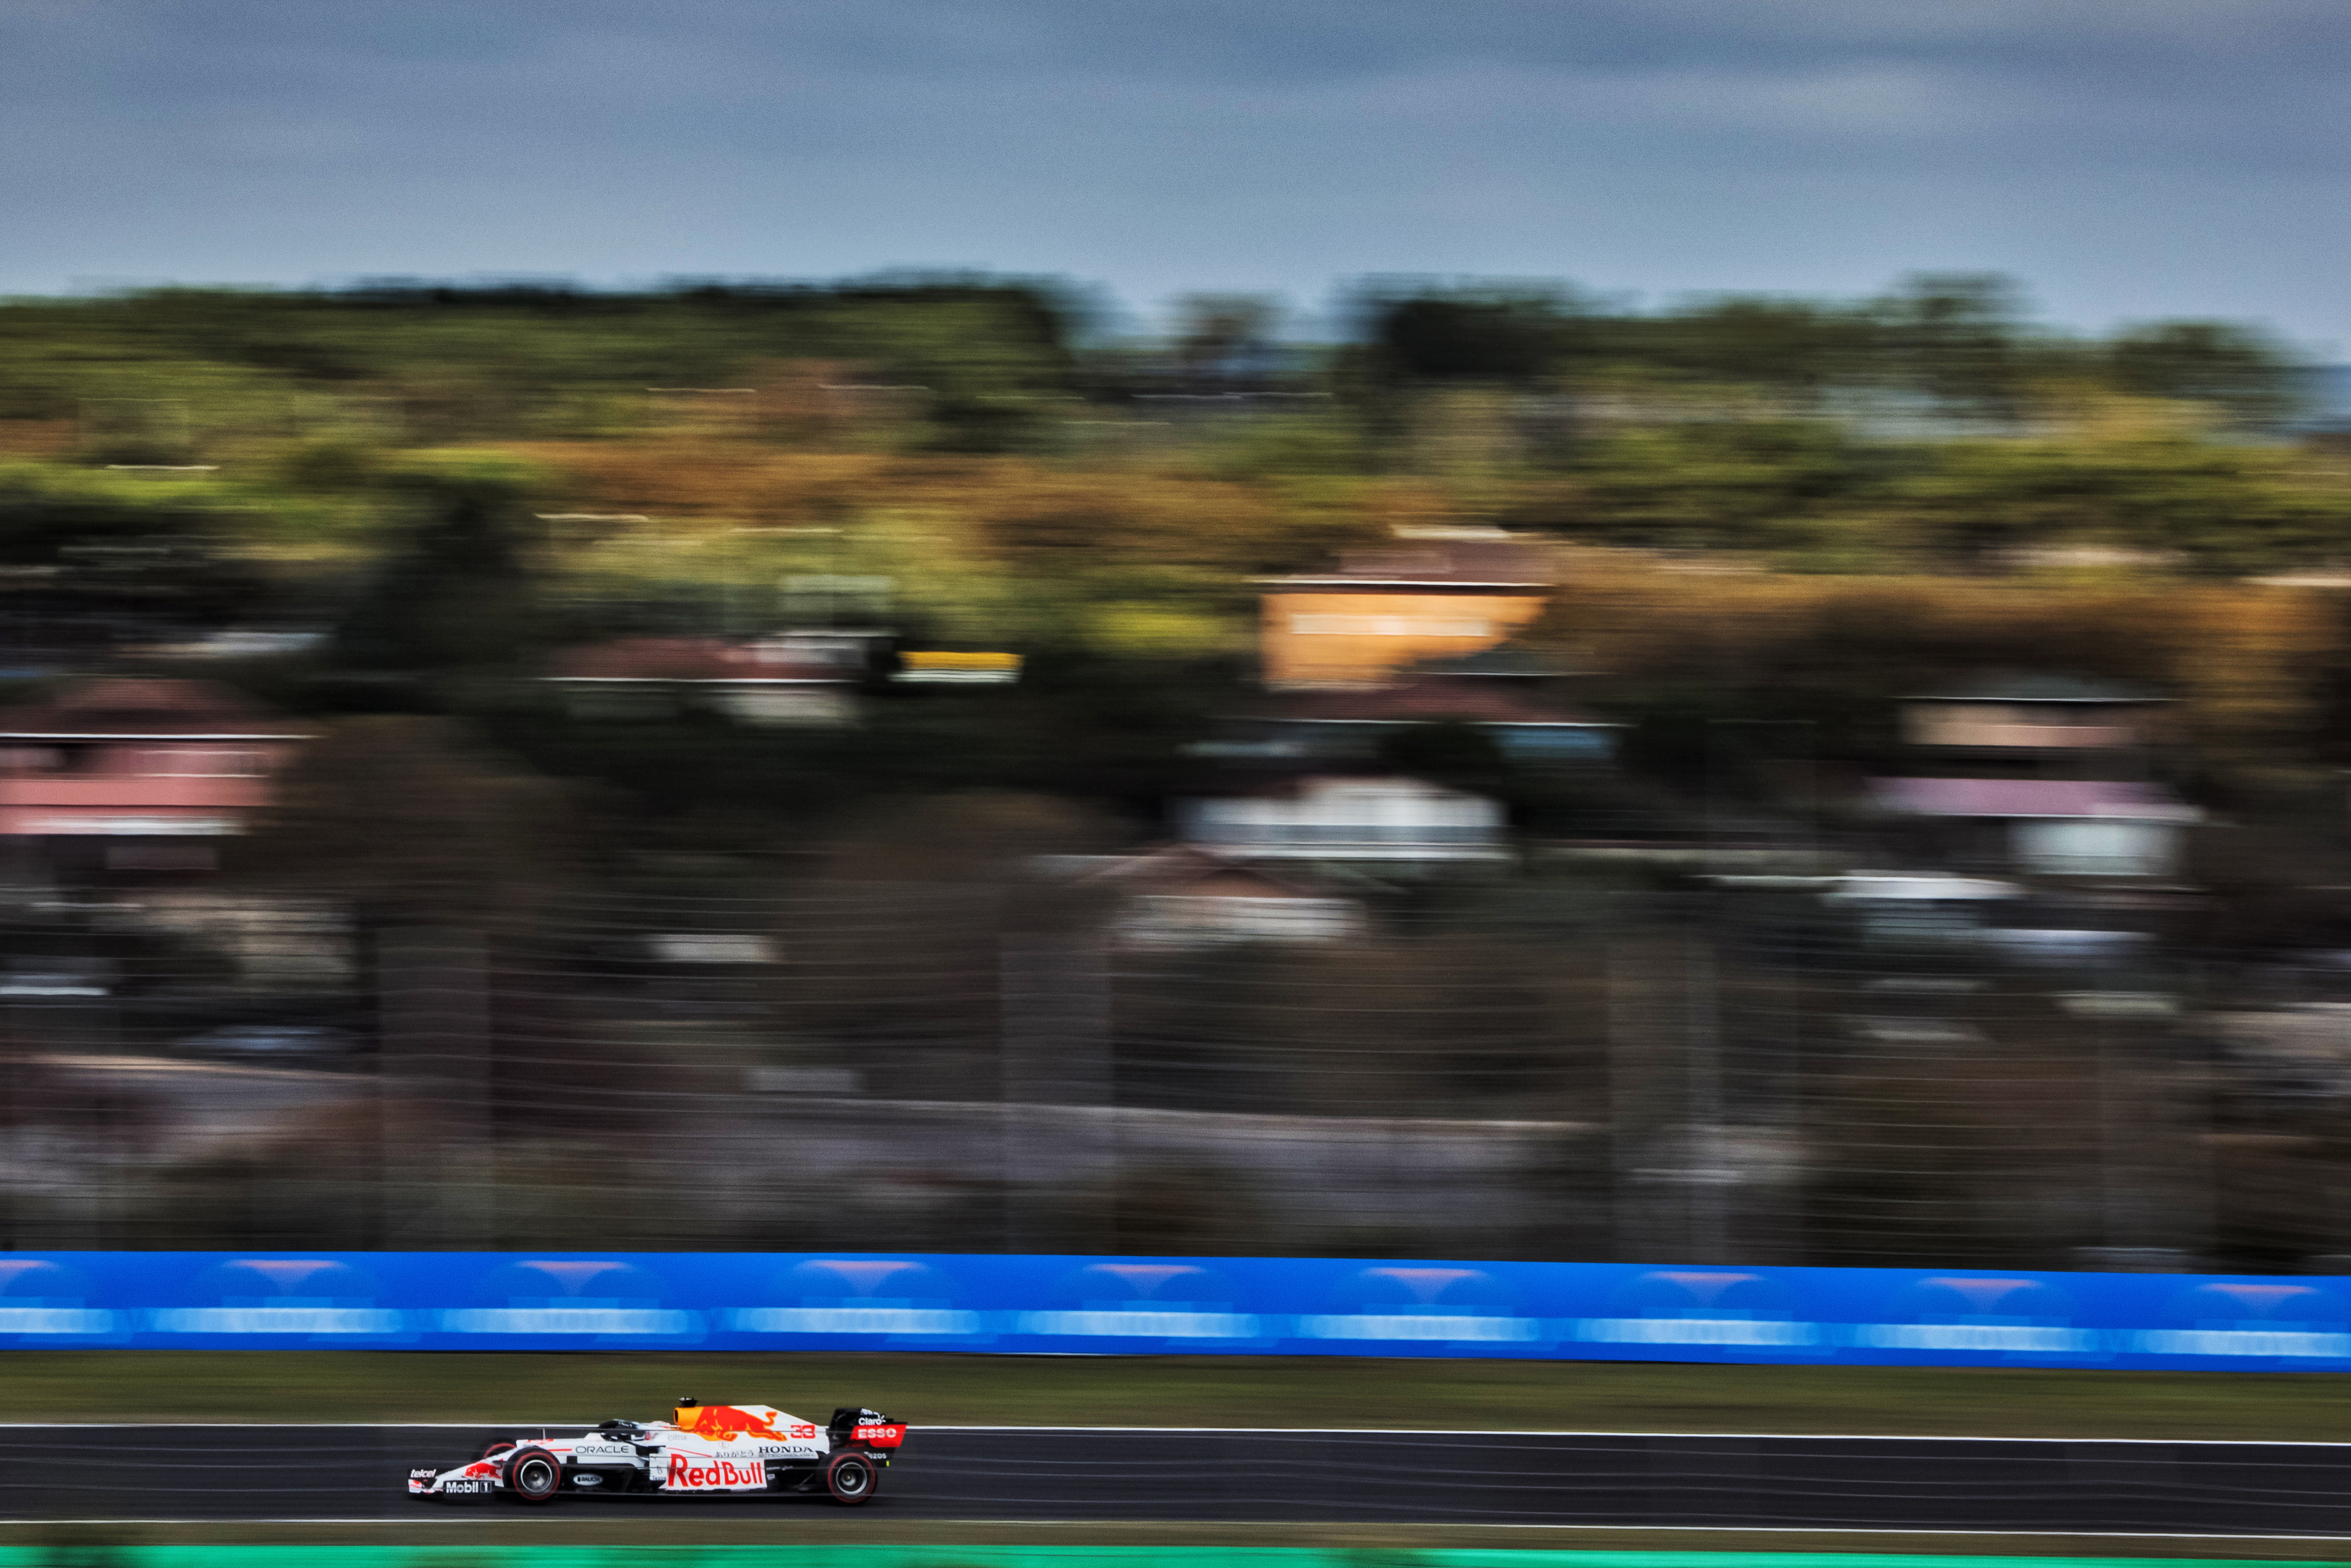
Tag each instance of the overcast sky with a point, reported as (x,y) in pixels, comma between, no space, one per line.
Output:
(2127,158)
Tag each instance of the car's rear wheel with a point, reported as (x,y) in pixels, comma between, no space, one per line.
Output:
(533,1475)
(851,1479)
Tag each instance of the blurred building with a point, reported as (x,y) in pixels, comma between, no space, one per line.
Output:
(789,680)
(1392,822)
(2037,774)
(1440,593)
(118,775)
(2297,1052)
(2047,827)
(956,667)
(1919,910)
(1523,727)
(1183,895)
(2045,726)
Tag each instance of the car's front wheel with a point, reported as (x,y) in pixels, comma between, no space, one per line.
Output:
(533,1475)
(851,1479)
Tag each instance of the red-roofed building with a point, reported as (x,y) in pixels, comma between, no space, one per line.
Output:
(138,773)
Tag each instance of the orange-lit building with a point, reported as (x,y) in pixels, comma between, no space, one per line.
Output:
(1379,611)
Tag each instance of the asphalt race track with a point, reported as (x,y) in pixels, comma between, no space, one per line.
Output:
(357,1472)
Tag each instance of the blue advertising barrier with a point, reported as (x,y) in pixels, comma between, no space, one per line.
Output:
(1066,1305)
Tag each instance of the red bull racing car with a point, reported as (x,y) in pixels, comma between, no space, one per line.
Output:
(710,1450)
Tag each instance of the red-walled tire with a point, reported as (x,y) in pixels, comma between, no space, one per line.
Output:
(493,1447)
(534,1475)
(851,1479)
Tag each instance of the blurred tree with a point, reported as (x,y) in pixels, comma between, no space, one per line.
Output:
(1747,340)
(1471,334)
(992,359)
(1224,340)
(2220,507)
(1713,484)
(1958,338)
(2249,377)
(1293,450)
(455,596)
(413,820)
(98,560)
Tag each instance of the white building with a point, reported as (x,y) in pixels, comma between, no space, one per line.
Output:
(1393,820)
(1184,896)
(2053,826)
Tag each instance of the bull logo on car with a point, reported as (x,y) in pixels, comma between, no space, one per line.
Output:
(722,1423)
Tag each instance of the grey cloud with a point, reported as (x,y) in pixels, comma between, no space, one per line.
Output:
(1268,39)
(2132,155)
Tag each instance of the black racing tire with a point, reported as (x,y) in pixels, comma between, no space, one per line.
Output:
(851,1479)
(494,1446)
(534,1476)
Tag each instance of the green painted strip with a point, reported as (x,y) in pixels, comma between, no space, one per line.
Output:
(88,1552)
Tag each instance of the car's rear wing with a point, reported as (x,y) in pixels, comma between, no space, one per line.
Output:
(871,1429)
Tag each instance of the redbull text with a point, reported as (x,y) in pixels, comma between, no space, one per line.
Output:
(694,1474)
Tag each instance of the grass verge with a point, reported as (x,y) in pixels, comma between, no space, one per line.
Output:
(1177,1391)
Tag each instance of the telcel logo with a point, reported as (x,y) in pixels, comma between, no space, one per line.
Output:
(686,1475)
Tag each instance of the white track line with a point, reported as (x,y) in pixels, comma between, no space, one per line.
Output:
(1736,1437)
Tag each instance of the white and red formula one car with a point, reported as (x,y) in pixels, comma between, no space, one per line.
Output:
(710,1450)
